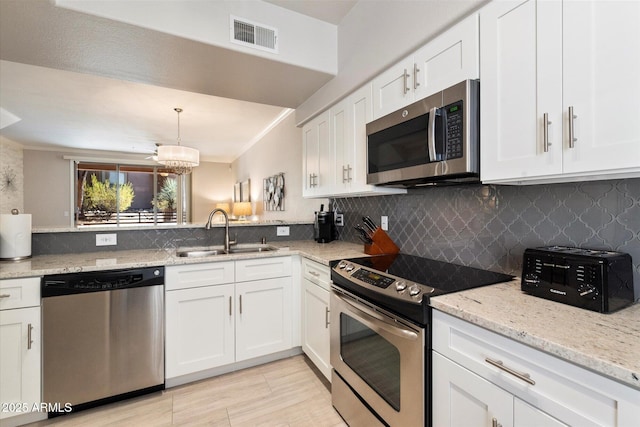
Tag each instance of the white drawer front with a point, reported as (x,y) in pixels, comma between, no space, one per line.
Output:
(17,293)
(572,394)
(262,268)
(316,273)
(196,275)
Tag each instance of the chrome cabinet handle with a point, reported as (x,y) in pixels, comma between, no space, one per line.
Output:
(572,133)
(313,273)
(521,375)
(495,423)
(349,169)
(405,77)
(416,83)
(545,132)
(313,180)
(29,340)
(326,317)
(5,295)
(230,304)
(343,174)
(240,304)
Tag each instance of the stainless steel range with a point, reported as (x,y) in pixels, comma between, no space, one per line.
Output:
(380,334)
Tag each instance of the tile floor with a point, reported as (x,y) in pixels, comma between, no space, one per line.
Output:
(288,392)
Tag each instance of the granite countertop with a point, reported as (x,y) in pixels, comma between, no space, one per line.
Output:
(605,343)
(105,260)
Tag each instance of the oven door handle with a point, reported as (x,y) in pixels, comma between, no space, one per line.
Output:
(381,324)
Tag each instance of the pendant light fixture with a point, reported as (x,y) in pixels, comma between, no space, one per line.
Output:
(181,160)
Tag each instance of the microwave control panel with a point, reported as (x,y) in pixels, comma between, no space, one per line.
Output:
(454,143)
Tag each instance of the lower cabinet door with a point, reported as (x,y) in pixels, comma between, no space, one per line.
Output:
(462,398)
(315,326)
(200,329)
(525,415)
(19,360)
(263,317)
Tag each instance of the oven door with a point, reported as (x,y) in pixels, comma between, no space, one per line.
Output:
(381,357)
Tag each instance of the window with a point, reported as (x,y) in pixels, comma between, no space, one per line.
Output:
(114,194)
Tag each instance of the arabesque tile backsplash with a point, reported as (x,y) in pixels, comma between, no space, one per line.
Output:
(489,226)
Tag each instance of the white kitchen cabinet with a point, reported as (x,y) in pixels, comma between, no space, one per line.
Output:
(542,60)
(200,331)
(349,136)
(263,317)
(220,313)
(462,398)
(475,368)
(317,156)
(466,399)
(315,314)
(20,345)
(446,60)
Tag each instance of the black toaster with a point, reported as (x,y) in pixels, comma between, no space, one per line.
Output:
(595,280)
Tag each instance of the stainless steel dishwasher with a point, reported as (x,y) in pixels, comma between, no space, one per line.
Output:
(103,336)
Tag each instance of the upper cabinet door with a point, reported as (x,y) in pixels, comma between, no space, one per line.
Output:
(317,156)
(393,88)
(602,84)
(520,85)
(448,59)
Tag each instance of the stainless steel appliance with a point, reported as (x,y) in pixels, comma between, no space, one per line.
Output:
(434,140)
(103,336)
(596,280)
(381,338)
(324,226)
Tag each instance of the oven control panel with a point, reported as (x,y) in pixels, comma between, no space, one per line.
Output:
(382,283)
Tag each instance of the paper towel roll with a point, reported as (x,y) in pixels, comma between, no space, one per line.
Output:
(15,236)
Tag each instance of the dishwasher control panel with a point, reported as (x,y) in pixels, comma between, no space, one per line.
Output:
(97,281)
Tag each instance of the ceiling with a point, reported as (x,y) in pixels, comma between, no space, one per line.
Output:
(75,82)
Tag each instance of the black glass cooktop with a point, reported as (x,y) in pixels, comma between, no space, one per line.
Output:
(443,276)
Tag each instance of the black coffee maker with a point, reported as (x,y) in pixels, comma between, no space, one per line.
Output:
(324,226)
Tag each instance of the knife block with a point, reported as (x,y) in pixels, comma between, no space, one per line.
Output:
(381,245)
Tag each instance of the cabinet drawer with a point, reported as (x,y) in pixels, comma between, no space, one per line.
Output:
(196,275)
(262,268)
(17,293)
(316,273)
(563,390)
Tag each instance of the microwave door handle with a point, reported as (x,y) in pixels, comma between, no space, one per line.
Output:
(431,134)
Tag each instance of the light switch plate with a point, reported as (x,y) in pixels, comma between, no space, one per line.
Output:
(106,239)
(384,222)
(340,220)
(282,231)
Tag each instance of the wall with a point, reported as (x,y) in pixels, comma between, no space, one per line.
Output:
(490,226)
(279,151)
(375,35)
(47,189)
(11,176)
(210,183)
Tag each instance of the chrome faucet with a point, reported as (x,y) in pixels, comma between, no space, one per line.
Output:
(227,242)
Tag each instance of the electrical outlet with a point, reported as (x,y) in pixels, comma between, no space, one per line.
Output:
(340,220)
(384,222)
(106,239)
(282,231)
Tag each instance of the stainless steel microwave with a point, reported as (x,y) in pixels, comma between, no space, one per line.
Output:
(434,140)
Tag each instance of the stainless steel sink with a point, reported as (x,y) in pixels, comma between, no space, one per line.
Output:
(195,253)
(249,248)
(213,251)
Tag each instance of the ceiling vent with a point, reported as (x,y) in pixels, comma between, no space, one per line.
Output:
(254,35)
